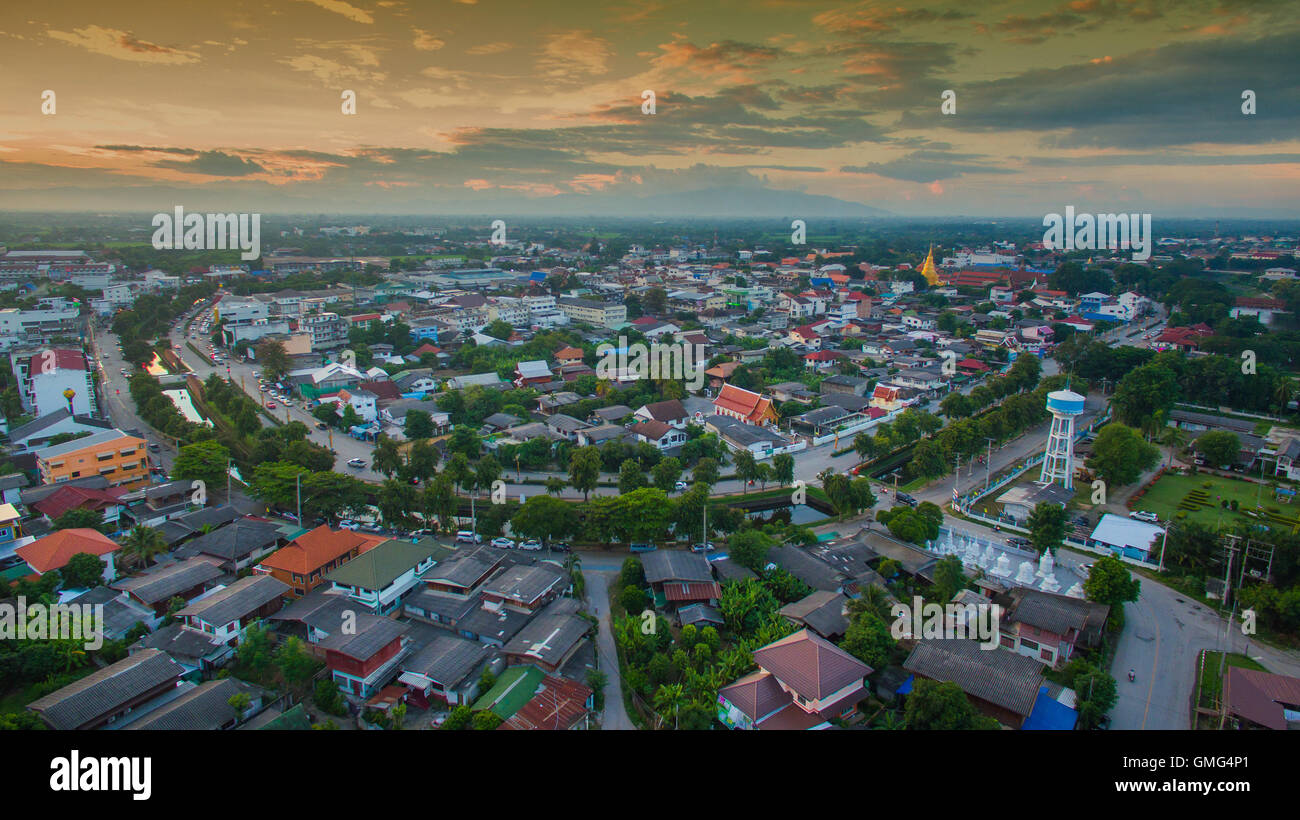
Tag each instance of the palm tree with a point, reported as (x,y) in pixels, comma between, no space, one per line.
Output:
(1173,438)
(142,543)
(555,485)
(573,565)
(1283,389)
(670,697)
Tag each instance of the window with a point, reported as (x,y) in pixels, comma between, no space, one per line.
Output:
(1045,654)
(104,457)
(1028,644)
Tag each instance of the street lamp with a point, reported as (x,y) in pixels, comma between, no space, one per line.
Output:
(70,394)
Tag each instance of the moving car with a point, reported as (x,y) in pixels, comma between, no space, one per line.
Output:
(270,405)
(320,425)
(680,486)
(704,547)
(503,543)
(356,463)
(904,498)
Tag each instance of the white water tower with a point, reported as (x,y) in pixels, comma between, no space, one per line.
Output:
(1058,460)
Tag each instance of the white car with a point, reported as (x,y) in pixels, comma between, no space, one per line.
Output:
(1144,515)
(530,544)
(503,543)
(680,486)
(356,463)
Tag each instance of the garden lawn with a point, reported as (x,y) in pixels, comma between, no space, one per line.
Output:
(1165,495)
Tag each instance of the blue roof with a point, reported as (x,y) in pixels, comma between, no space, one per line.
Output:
(905,688)
(1050,714)
(537,276)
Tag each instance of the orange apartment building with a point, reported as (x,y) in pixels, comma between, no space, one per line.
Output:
(118,457)
(303,562)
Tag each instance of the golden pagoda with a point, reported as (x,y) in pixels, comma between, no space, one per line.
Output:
(928,271)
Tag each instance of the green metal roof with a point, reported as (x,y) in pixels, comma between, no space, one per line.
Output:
(382,565)
(513,689)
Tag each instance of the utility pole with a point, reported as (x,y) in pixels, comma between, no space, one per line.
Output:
(988,466)
(1164,540)
(297,481)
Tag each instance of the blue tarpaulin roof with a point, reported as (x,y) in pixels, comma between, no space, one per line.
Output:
(906,687)
(1050,714)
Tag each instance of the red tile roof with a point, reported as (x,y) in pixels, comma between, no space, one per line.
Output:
(56,549)
(811,666)
(64,359)
(80,498)
(313,550)
(734,399)
(559,705)
(695,591)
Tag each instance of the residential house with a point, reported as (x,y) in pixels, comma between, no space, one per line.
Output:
(803,682)
(381,576)
(224,615)
(303,563)
(108,695)
(361,661)
(53,551)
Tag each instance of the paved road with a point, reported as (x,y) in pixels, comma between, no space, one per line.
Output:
(615,716)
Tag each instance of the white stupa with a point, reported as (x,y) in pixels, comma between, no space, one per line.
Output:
(1050,584)
(1046,564)
(1075,591)
(989,556)
(1003,568)
(1025,576)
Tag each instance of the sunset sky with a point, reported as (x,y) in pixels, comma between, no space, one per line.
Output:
(535,107)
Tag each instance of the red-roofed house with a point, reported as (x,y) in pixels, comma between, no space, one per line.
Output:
(745,405)
(55,550)
(1262,700)
(972,366)
(1261,308)
(559,704)
(106,502)
(1184,338)
(426,348)
(303,561)
(569,355)
(886,398)
(821,359)
(807,336)
(803,682)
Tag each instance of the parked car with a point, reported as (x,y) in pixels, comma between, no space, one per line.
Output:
(704,547)
(320,425)
(904,498)
(467,537)
(503,543)
(356,463)
(1017,541)
(345,524)
(560,546)
(680,486)
(1144,515)
(270,405)
(530,544)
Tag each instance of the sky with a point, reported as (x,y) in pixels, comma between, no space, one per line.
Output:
(534,107)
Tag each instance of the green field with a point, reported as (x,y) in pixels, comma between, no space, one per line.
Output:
(1202,504)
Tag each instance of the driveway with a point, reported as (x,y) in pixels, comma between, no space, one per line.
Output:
(615,716)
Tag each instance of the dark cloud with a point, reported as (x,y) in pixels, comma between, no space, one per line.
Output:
(1175,95)
(928,166)
(213,163)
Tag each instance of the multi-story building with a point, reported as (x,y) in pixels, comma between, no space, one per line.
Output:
(604,314)
(326,329)
(45,377)
(118,457)
(51,318)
